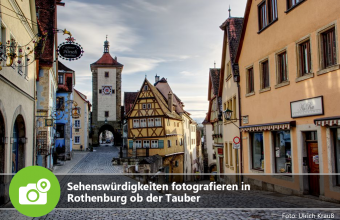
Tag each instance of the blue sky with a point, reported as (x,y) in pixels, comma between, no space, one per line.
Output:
(179,40)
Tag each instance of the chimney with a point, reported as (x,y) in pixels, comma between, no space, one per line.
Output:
(170,101)
(156,78)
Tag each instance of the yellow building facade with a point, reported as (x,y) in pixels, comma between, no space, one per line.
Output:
(155,128)
(290,81)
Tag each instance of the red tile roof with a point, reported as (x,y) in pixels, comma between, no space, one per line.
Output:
(63,67)
(106,59)
(129,100)
(215,79)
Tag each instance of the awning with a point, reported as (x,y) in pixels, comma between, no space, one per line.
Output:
(329,121)
(269,127)
(173,154)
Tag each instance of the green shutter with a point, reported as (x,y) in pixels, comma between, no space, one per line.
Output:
(130,144)
(160,144)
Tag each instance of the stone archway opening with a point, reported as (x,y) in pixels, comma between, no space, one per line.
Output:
(109,130)
(106,137)
(18,144)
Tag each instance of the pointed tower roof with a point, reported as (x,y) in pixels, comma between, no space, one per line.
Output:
(106,59)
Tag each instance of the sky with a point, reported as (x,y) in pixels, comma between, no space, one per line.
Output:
(178,40)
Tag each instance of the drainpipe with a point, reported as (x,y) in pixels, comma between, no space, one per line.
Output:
(241,140)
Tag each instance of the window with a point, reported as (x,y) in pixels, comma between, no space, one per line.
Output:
(145,88)
(226,158)
(76,130)
(138,144)
(292,3)
(328,48)
(262,10)
(60,131)
(149,106)
(136,123)
(264,74)
(100,91)
(231,154)
(267,13)
(250,80)
(234,109)
(77,123)
(77,139)
(146,144)
(158,122)
(106,114)
(336,138)
(143,123)
(169,143)
(283,152)
(151,122)
(304,58)
(154,144)
(106,74)
(282,67)
(60,103)
(257,153)
(144,106)
(176,142)
(60,78)
(228,69)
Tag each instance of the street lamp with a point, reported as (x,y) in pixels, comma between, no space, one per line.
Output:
(227,114)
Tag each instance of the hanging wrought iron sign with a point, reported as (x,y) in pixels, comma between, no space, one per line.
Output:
(76,111)
(70,50)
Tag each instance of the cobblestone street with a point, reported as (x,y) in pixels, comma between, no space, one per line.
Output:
(99,161)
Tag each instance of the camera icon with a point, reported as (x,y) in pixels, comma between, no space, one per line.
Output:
(34,193)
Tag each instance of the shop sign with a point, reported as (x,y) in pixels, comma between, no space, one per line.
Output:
(48,122)
(307,107)
(70,50)
(220,151)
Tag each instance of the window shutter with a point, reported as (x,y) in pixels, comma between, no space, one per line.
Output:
(130,144)
(161,144)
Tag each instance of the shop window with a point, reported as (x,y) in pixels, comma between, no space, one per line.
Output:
(257,152)
(328,48)
(282,67)
(336,138)
(283,152)
(304,58)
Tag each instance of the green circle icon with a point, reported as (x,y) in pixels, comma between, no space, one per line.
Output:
(34,191)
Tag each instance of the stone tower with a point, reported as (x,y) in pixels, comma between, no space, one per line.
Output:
(106,96)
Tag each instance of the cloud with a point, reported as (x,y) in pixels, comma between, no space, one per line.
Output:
(145,5)
(186,73)
(136,65)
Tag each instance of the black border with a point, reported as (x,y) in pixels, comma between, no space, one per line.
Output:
(323,110)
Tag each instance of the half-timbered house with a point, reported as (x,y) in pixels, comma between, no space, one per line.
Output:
(154,127)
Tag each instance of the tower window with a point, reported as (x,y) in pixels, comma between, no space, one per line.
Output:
(106,74)
(106,114)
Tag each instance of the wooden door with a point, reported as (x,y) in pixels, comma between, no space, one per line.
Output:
(313,164)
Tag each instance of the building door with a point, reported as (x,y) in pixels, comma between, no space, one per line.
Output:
(18,144)
(2,159)
(313,164)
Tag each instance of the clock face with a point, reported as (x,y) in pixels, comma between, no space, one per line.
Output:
(107,90)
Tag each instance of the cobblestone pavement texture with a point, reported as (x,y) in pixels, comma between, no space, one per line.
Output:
(99,161)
